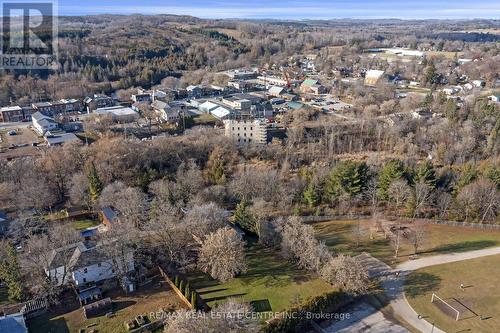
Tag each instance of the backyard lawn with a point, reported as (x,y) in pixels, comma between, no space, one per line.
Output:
(84,224)
(69,318)
(270,283)
(338,236)
(479,297)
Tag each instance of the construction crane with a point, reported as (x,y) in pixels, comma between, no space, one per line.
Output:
(287,78)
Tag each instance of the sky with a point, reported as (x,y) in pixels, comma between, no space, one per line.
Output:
(291,9)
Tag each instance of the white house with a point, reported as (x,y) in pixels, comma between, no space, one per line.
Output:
(84,263)
(479,83)
(494,98)
(167,113)
(373,76)
(42,123)
(194,91)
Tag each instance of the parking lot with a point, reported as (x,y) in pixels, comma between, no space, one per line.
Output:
(18,144)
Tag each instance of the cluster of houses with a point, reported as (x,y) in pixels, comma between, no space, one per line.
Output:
(89,266)
(19,113)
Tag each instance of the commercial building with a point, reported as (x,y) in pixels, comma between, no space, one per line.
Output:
(120,114)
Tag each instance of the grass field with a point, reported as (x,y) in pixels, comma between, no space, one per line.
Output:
(84,224)
(338,236)
(480,278)
(446,54)
(270,284)
(125,308)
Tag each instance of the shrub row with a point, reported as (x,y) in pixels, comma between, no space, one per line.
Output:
(185,288)
(296,318)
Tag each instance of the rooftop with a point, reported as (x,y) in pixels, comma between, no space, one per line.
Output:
(61,139)
(115,110)
(11,108)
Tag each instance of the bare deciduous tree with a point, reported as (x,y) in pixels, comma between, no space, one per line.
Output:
(421,197)
(346,273)
(399,191)
(204,219)
(418,235)
(79,190)
(299,245)
(231,317)
(222,254)
(169,236)
(129,201)
(360,231)
(43,254)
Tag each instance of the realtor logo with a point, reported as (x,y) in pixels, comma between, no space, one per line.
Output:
(29,35)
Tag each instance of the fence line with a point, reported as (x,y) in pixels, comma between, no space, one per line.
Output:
(175,289)
(324,218)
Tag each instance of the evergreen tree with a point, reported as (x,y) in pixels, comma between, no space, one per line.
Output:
(431,74)
(468,174)
(217,167)
(427,103)
(310,196)
(451,111)
(243,218)
(391,171)
(181,286)
(425,172)
(194,300)
(95,184)
(347,177)
(10,274)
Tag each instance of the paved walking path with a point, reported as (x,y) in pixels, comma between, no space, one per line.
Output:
(365,318)
(394,285)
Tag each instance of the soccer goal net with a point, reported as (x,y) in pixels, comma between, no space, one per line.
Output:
(440,301)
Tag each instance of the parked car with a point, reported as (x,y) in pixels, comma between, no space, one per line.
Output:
(11,132)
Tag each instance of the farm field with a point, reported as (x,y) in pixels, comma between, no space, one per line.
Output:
(270,283)
(480,279)
(338,236)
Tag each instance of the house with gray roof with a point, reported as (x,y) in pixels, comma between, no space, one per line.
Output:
(13,324)
(43,123)
(86,263)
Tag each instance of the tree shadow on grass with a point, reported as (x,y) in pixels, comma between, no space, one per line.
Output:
(120,305)
(218,298)
(463,246)
(418,284)
(44,324)
(261,305)
(204,292)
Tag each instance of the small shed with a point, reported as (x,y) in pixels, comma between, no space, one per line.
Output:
(98,308)
(89,295)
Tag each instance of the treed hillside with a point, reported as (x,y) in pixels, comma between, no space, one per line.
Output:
(109,52)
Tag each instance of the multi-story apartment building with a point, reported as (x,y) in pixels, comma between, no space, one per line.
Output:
(246,131)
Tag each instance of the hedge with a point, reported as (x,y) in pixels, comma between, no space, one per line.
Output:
(294,319)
